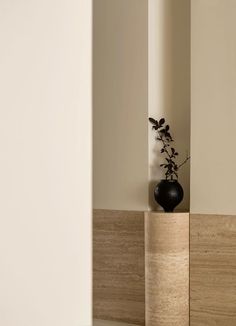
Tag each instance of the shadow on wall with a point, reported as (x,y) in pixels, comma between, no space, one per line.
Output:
(169,84)
(120,104)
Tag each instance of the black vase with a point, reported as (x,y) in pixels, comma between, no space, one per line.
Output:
(168,194)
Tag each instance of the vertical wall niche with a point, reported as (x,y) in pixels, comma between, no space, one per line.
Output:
(169,84)
(141,68)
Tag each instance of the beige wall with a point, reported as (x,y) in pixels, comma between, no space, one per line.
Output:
(213,107)
(45,175)
(169,83)
(120,104)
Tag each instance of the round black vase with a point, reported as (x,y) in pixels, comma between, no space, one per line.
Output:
(168,194)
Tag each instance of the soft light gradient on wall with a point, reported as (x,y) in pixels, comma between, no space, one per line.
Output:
(169,83)
(45,169)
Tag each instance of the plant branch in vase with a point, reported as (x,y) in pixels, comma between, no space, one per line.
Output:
(168,193)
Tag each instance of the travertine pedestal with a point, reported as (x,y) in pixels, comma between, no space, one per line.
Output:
(167,269)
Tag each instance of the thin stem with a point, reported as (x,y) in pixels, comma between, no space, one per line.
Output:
(164,145)
(185,161)
(166,151)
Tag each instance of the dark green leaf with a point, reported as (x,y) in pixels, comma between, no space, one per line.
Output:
(162,121)
(153,121)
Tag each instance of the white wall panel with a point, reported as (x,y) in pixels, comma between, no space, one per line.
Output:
(45,163)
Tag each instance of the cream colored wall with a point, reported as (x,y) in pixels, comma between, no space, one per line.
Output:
(213,113)
(169,83)
(45,174)
(120,102)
